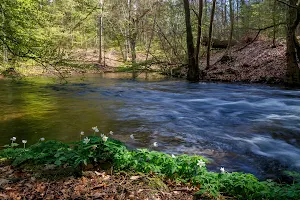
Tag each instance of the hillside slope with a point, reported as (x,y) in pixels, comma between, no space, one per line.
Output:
(257,63)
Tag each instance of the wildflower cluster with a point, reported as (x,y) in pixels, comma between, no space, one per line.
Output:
(94,149)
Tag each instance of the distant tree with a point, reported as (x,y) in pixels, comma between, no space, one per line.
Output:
(210,33)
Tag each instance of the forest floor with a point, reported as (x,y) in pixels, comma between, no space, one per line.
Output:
(97,184)
(259,62)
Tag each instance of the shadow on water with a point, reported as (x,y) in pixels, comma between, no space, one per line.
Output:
(245,128)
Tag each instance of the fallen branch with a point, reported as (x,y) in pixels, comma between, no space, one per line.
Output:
(259,30)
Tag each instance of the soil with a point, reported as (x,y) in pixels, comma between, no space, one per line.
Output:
(95,184)
(259,62)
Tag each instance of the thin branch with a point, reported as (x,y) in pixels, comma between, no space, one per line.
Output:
(287,4)
(80,22)
(259,30)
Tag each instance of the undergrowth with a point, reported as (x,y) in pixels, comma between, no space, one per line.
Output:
(181,168)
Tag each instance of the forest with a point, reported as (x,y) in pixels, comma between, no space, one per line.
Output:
(149,99)
(180,38)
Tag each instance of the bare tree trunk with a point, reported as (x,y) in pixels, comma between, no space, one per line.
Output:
(231,25)
(5,59)
(200,13)
(100,31)
(274,22)
(293,19)
(193,69)
(210,33)
(151,37)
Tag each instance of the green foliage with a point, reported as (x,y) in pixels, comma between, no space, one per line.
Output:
(140,66)
(182,168)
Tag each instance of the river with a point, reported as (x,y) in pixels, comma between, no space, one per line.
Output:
(248,128)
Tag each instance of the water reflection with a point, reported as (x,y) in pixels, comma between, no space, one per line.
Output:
(243,128)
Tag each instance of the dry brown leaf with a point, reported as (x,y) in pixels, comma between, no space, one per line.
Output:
(99,194)
(135,177)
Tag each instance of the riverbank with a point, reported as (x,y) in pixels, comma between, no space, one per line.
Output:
(96,184)
(258,62)
(103,168)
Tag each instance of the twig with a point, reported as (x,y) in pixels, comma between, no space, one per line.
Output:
(287,4)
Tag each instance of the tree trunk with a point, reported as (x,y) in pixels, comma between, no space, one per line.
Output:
(200,13)
(100,31)
(5,59)
(210,33)
(231,25)
(293,18)
(132,46)
(193,69)
(151,37)
(274,23)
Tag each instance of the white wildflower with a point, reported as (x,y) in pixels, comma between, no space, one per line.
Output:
(42,139)
(111,133)
(81,133)
(95,129)
(155,144)
(24,142)
(173,156)
(222,170)
(201,163)
(102,135)
(86,140)
(131,136)
(104,138)
(13,139)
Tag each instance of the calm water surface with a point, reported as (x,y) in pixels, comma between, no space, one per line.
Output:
(245,128)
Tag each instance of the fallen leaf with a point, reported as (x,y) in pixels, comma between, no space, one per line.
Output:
(98,195)
(135,177)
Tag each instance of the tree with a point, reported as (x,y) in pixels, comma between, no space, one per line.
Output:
(193,73)
(292,45)
(100,31)
(210,33)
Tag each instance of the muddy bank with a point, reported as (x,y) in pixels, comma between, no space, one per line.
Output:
(257,63)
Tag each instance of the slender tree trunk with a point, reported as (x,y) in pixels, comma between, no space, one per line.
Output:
(210,33)
(132,46)
(198,45)
(151,37)
(293,18)
(100,31)
(231,25)
(5,59)
(274,22)
(193,69)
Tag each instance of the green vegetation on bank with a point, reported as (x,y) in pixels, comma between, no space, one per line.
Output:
(183,168)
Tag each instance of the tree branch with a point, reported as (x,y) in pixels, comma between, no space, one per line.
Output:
(287,4)
(259,30)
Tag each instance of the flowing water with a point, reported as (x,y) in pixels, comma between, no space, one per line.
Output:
(249,128)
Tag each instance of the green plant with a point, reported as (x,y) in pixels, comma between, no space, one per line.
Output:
(181,168)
